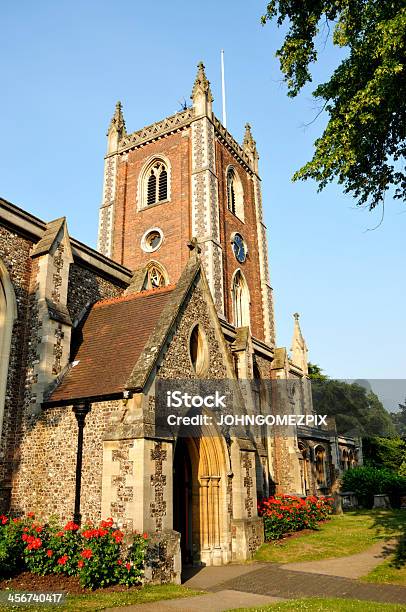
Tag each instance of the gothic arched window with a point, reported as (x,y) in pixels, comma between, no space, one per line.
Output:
(8,314)
(241,300)
(156,183)
(155,277)
(235,194)
(198,350)
(320,459)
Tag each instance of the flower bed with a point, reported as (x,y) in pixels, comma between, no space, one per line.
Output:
(98,556)
(285,514)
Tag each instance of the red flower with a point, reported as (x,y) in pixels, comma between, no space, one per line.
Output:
(145,536)
(128,566)
(108,523)
(50,553)
(16,520)
(118,536)
(24,537)
(71,526)
(34,543)
(119,562)
(4,520)
(80,563)
(86,554)
(59,534)
(31,515)
(102,532)
(38,529)
(62,560)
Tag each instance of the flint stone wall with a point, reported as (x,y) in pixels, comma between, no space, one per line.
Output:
(46,484)
(14,253)
(86,287)
(176,363)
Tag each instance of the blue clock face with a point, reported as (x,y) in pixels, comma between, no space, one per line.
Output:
(239,248)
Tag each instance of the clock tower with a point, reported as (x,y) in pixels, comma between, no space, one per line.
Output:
(185,178)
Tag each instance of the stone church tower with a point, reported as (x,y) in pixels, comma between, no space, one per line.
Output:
(187,178)
(177,291)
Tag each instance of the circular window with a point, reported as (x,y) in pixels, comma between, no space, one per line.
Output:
(198,350)
(152,239)
(239,247)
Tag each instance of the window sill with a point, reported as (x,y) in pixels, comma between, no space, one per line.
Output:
(236,216)
(148,206)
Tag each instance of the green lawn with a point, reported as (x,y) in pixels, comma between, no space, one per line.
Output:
(326,605)
(387,573)
(99,600)
(343,535)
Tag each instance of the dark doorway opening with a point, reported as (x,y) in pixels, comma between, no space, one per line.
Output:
(182,499)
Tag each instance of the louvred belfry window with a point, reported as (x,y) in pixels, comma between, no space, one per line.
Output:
(231,192)
(235,194)
(157,184)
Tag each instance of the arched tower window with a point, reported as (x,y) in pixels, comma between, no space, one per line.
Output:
(155,183)
(155,277)
(8,314)
(235,194)
(240,300)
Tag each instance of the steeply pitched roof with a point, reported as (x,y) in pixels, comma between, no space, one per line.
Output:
(110,342)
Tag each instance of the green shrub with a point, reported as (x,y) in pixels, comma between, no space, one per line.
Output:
(367,481)
(288,513)
(97,556)
(11,546)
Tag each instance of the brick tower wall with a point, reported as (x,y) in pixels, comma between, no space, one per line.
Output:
(174,217)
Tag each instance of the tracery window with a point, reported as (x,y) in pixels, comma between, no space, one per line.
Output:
(156,183)
(155,277)
(241,301)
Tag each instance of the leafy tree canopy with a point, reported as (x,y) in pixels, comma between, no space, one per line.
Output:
(315,372)
(389,453)
(356,409)
(399,419)
(363,145)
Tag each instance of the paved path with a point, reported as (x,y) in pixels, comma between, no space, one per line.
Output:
(259,584)
(353,566)
(277,582)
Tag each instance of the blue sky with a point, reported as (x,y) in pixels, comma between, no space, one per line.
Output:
(65,64)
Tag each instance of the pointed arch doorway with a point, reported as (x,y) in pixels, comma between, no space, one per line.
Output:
(199,500)
(182,499)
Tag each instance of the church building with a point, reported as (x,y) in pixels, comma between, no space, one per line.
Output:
(177,290)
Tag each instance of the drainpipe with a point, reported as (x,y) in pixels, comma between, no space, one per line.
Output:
(80,411)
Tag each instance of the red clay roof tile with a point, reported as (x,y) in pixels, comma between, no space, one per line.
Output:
(110,343)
